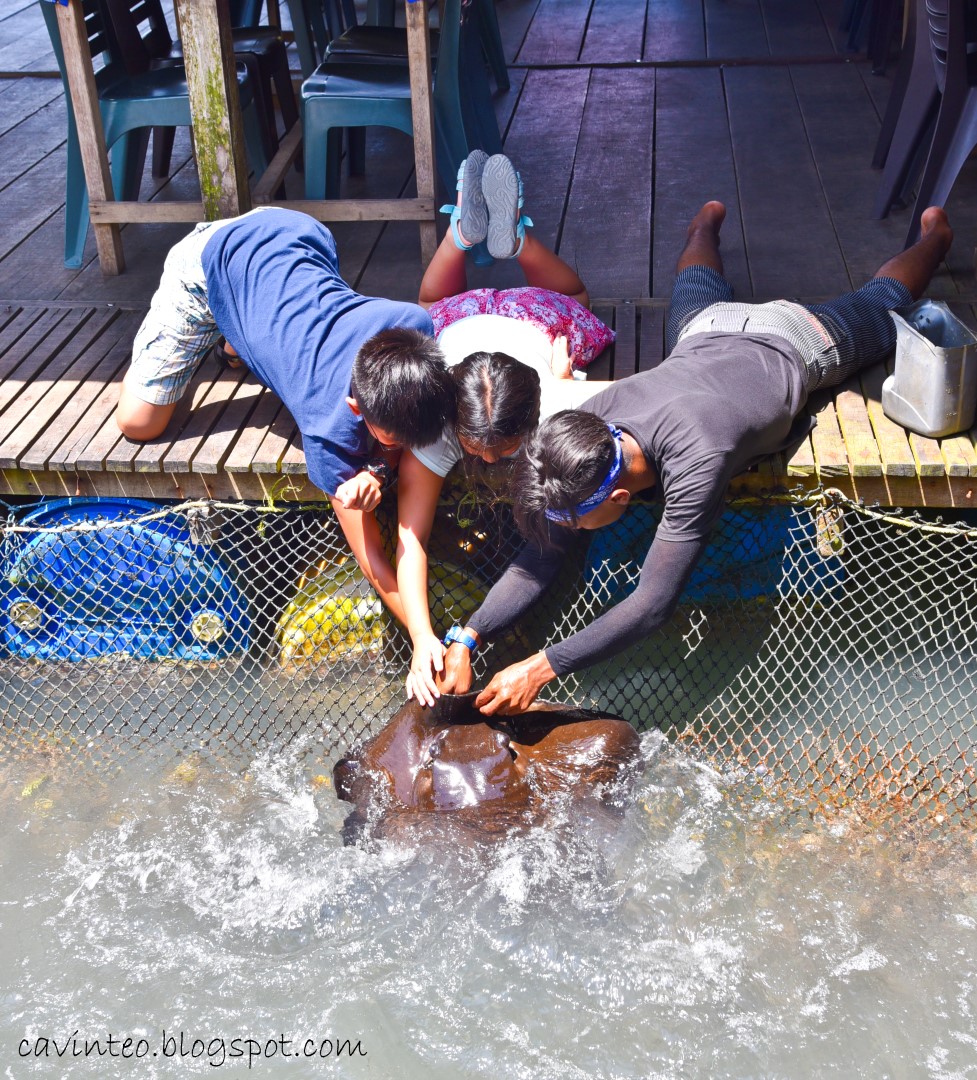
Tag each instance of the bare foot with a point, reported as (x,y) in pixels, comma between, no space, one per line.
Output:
(916,266)
(934,221)
(710,217)
(702,241)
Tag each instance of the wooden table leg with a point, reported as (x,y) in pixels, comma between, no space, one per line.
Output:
(218,133)
(419,61)
(91,133)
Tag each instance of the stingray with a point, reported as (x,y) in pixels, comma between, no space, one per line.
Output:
(486,775)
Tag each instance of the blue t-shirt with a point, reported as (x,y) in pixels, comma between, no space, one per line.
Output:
(274,289)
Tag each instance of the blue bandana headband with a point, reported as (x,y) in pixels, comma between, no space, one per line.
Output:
(601,494)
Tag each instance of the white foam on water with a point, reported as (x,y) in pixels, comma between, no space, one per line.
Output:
(867,960)
(686,937)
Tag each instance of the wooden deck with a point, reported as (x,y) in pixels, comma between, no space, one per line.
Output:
(623,118)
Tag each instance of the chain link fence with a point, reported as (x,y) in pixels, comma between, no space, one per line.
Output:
(822,652)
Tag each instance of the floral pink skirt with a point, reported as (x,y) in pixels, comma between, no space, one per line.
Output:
(553,313)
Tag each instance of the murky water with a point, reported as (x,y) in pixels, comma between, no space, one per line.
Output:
(693,936)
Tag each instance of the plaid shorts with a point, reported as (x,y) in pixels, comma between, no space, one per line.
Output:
(179,329)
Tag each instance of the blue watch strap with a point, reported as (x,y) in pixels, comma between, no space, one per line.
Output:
(457,633)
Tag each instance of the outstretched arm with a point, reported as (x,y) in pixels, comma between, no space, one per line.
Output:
(418,489)
(525,579)
(522,584)
(664,575)
(363,536)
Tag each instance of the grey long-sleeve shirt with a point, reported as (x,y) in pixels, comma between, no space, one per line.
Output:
(719,403)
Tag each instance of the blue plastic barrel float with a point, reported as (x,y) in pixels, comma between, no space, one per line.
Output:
(755,552)
(145,589)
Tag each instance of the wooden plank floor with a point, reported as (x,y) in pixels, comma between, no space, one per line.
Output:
(623,118)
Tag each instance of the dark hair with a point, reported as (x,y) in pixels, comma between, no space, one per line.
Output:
(402,386)
(497,399)
(563,462)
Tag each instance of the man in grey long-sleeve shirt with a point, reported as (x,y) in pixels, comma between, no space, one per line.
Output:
(730,393)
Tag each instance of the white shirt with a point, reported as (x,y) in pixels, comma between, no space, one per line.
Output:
(523,342)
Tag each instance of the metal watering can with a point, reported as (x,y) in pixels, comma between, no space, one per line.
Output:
(934,389)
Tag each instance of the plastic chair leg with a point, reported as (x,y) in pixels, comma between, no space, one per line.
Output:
(128,162)
(954,138)
(304,43)
(314,152)
(915,120)
(910,114)
(127,155)
(76,212)
(884,19)
(333,143)
(856,25)
(75,202)
(906,194)
(261,92)
(254,138)
(915,69)
(321,147)
(481,128)
(491,40)
(162,150)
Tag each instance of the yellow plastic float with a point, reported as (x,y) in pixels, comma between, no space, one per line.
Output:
(334,615)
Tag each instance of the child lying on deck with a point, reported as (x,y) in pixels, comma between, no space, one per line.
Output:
(362,376)
(511,352)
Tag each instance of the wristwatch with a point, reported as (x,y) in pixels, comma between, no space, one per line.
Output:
(457,633)
(380,469)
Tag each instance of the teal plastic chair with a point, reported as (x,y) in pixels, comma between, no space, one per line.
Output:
(324,28)
(344,94)
(130,105)
(245,12)
(382,12)
(143,35)
(349,40)
(328,30)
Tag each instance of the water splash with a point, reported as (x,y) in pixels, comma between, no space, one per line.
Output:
(691,935)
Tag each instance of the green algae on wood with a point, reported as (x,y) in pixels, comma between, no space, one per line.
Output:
(217,128)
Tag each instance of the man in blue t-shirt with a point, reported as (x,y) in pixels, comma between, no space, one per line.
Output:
(362,376)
